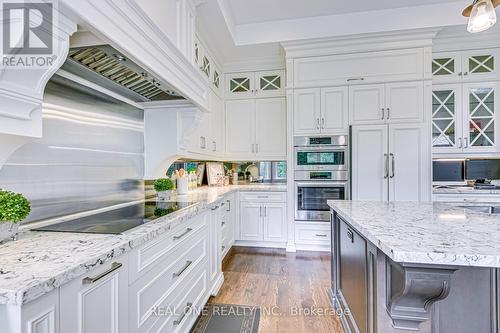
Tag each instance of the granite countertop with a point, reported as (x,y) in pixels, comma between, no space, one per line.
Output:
(426,233)
(39,262)
(464,190)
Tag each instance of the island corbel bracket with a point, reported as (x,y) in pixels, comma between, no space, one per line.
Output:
(411,291)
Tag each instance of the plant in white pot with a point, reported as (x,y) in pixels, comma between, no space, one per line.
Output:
(13,209)
(164,187)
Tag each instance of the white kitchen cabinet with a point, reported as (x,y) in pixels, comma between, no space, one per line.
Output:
(215,256)
(256,128)
(228,223)
(216,140)
(38,316)
(321,111)
(466,66)
(464,118)
(401,102)
(98,302)
(255,84)
(270,127)
(262,218)
(392,162)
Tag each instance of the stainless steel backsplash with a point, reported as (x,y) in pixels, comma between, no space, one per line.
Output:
(91,154)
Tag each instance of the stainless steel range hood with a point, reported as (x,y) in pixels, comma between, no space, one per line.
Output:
(108,68)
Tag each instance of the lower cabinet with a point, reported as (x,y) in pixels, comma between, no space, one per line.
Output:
(98,302)
(215,255)
(262,220)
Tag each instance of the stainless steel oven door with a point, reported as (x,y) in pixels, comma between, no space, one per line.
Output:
(316,158)
(311,199)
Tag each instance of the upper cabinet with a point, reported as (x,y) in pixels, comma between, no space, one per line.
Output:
(206,64)
(466,66)
(255,84)
(465,117)
(401,102)
(320,111)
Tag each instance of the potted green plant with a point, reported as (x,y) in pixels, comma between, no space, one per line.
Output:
(164,187)
(14,208)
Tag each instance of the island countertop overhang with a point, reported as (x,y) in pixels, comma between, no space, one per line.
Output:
(425,233)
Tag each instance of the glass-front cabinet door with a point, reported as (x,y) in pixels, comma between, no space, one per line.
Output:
(480,65)
(446,118)
(240,85)
(269,83)
(480,128)
(446,67)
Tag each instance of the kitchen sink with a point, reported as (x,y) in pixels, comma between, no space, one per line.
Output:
(484,209)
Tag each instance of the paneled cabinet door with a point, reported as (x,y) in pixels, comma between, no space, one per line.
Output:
(446,67)
(307,111)
(98,301)
(269,83)
(480,65)
(404,102)
(214,260)
(216,146)
(270,127)
(447,118)
(409,163)
(251,221)
(334,110)
(480,121)
(240,128)
(367,104)
(275,222)
(240,85)
(370,156)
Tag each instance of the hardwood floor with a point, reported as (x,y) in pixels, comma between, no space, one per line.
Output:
(283,285)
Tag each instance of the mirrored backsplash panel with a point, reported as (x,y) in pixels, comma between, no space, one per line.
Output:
(91,155)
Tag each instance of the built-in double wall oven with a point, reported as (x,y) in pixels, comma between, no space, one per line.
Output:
(321,174)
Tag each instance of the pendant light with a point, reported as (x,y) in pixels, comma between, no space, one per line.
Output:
(482,15)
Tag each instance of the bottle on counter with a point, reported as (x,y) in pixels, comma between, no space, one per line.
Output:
(173,178)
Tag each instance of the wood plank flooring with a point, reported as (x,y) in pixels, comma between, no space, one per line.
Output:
(287,287)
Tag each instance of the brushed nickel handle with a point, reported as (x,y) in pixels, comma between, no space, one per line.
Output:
(260,211)
(253,148)
(93,279)
(256,148)
(383,113)
(388,113)
(356,79)
(215,208)
(186,266)
(393,165)
(386,171)
(228,206)
(265,211)
(460,74)
(323,123)
(188,230)
(460,143)
(350,235)
(466,143)
(317,123)
(321,235)
(262,196)
(181,318)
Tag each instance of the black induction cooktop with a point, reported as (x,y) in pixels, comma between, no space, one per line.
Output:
(118,220)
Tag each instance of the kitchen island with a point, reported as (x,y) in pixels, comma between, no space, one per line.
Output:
(401,266)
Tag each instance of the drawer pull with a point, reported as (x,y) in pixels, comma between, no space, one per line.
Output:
(223,224)
(263,196)
(222,204)
(186,266)
(228,206)
(181,318)
(188,230)
(215,208)
(114,267)
(321,235)
(350,235)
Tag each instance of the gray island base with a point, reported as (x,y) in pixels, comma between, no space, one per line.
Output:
(422,267)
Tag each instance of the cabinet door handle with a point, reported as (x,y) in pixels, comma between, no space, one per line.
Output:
(93,279)
(323,123)
(260,211)
(393,165)
(350,235)
(215,208)
(253,148)
(383,113)
(181,318)
(262,196)
(356,79)
(214,145)
(460,74)
(317,123)
(460,143)
(223,224)
(386,166)
(256,148)
(186,266)
(228,206)
(388,113)
(265,211)
(466,73)
(466,143)
(321,235)
(188,230)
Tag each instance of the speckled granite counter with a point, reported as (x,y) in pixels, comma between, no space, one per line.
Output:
(39,262)
(464,190)
(426,233)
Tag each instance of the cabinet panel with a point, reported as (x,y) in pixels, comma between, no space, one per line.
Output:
(215,232)
(307,111)
(275,222)
(334,110)
(480,65)
(240,128)
(89,306)
(446,67)
(404,102)
(409,163)
(38,316)
(240,85)
(447,118)
(270,83)
(216,144)
(270,120)
(366,104)
(369,158)
(251,221)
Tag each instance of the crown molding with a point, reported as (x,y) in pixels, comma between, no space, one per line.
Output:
(255,64)
(459,39)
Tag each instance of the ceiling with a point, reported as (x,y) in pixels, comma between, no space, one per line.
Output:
(248,30)
(254,11)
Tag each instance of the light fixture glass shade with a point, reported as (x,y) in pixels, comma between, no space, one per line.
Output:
(482,17)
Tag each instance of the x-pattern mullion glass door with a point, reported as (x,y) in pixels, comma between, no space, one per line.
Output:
(480,65)
(446,67)
(481,107)
(269,83)
(447,118)
(239,85)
